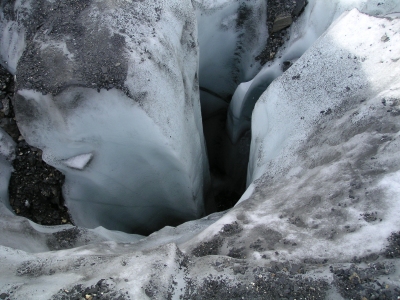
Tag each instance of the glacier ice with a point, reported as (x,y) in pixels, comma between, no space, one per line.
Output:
(317,17)
(323,196)
(130,164)
(323,143)
(276,130)
(7,154)
(231,35)
(78,162)
(324,162)
(111,97)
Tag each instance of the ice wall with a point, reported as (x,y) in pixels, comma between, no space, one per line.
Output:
(316,18)
(324,162)
(109,91)
(7,154)
(12,33)
(231,35)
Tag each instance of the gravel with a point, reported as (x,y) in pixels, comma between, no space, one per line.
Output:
(278,10)
(102,290)
(35,189)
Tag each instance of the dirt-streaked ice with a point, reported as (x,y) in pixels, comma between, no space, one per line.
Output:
(324,187)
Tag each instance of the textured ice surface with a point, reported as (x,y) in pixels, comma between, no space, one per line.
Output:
(7,148)
(324,136)
(109,91)
(316,18)
(131,170)
(278,126)
(324,188)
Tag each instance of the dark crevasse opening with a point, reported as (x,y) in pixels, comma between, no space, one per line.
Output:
(228,161)
(246,36)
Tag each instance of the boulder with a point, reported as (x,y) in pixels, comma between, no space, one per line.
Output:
(300,4)
(281,22)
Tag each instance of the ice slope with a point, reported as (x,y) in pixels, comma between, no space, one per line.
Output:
(316,18)
(109,91)
(327,190)
(277,127)
(324,162)
(324,165)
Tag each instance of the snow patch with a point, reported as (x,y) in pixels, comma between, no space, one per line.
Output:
(78,162)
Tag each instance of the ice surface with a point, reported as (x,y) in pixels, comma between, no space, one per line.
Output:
(12,43)
(277,120)
(116,109)
(12,33)
(324,158)
(324,176)
(317,17)
(132,164)
(318,121)
(78,162)
(7,146)
(231,34)
(7,154)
